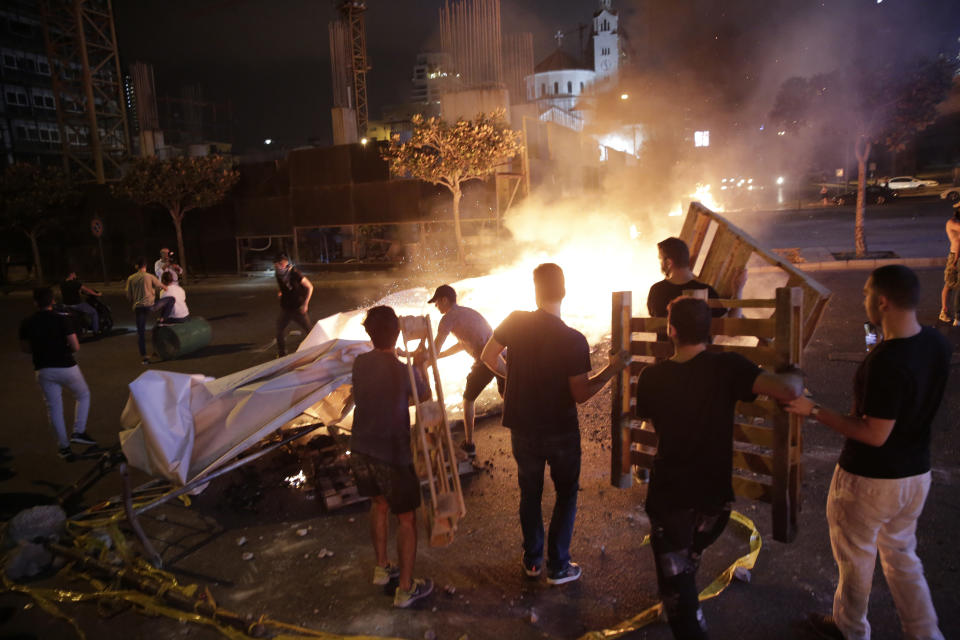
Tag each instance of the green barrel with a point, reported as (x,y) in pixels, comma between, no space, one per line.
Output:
(174,340)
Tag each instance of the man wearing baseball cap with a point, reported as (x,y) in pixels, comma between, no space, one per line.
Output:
(472,332)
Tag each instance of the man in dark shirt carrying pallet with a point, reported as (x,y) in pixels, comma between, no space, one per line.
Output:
(690,399)
(547,375)
(675,265)
(51,339)
(882,479)
(381,457)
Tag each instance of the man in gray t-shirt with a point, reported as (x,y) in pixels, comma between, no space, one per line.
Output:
(472,332)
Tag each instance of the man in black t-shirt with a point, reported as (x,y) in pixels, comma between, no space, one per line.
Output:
(51,339)
(690,400)
(70,290)
(547,375)
(675,265)
(294,292)
(882,479)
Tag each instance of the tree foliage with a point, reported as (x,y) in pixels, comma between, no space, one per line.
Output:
(450,154)
(32,201)
(865,105)
(179,185)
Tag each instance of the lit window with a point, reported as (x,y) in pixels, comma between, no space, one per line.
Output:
(701,138)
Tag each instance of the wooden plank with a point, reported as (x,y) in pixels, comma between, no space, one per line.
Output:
(718,255)
(621,310)
(788,345)
(756,327)
(651,349)
(641,459)
(647,325)
(742,303)
(752,462)
(762,356)
(751,489)
(644,437)
(753,434)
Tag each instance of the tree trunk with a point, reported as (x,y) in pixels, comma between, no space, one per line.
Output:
(457,195)
(178,226)
(37,267)
(860,239)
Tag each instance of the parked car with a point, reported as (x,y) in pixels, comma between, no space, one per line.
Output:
(875,194)
(909,182)
(951,195)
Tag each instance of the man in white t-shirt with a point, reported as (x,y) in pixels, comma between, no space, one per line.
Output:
(179,312)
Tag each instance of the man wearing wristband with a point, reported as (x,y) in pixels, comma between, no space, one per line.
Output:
(882,479)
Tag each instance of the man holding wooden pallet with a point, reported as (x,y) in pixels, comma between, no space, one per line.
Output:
(690,399)
(882,479)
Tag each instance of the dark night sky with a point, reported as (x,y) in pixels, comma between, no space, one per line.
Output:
(271,59)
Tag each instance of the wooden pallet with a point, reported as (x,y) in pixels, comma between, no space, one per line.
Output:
(434,454)
(768,442)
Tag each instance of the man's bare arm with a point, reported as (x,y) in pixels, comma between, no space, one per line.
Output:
(73,343)
(868,430)
(583,387)
(780,386)
(492,356)
(309,287)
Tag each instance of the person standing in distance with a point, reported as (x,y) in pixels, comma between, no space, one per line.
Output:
(882,479)
(547,375)
(51,339)
(295,291)
(949,311)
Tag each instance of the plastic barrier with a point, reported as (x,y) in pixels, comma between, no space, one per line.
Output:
(171,341)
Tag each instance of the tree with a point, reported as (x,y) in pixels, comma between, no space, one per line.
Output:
(179,185)
(867,105)
(30,197)
(452,154)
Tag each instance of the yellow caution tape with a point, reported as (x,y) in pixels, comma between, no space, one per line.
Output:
(713,589)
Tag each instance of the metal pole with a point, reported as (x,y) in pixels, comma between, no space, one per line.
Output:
(103,261)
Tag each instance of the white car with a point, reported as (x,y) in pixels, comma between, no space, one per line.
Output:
(951,195)
(909,182)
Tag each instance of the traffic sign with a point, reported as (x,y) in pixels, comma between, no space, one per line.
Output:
(96,227)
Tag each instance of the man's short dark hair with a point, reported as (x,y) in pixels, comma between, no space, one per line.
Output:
(43,296)
(280,257)
(691,318)
(166,278)
(898,284)
(676,250)
(382,326)
(140,262)
(549,283)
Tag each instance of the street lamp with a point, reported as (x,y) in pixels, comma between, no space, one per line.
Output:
(624,96)
(268,141)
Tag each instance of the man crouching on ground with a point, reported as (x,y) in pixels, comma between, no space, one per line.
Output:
(690,399)
(547,374)
(381,457)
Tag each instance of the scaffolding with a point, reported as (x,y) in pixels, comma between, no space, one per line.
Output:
(348,60)
(81,45)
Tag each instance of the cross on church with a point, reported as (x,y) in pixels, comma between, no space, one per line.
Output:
(558,36)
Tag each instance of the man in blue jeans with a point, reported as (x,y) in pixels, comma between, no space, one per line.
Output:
(141,290)
(547,375)
(70,290)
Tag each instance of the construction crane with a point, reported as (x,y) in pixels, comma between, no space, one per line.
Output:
(350,58)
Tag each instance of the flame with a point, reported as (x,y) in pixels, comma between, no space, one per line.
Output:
(600,251)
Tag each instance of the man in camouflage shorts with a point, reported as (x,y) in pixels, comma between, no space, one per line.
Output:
(951,274)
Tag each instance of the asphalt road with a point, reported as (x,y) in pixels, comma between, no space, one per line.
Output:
(487,597)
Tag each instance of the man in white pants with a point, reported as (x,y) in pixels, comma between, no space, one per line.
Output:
(51,339)
(883,475)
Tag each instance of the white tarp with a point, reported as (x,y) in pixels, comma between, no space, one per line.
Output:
(180,426)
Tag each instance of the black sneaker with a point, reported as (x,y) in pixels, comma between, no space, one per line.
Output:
(532,569)
(470,449)
(419,590)
(568,574)
(82,438)
(65,454)
(824,626)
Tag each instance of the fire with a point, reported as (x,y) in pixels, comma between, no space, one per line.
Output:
(703,195)
(599,251)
